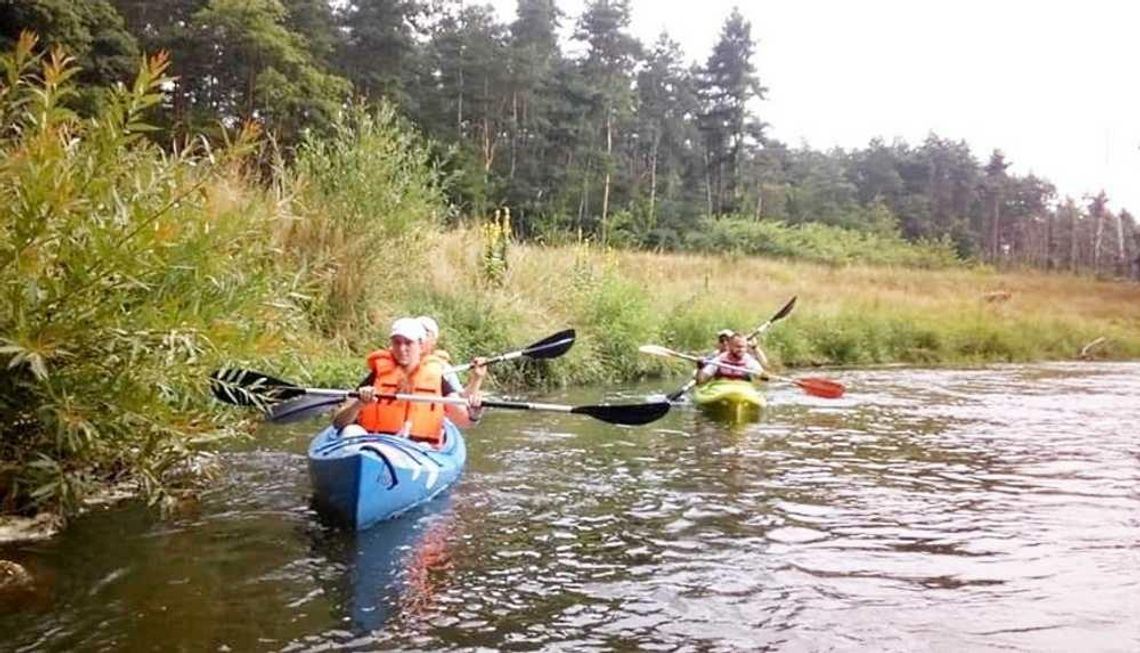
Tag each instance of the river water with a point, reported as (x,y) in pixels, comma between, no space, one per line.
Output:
(946,510)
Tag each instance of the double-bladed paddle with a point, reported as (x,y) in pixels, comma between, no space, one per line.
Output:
(780,314)
(813,386)
(549,347)
(250,388)
(310,405)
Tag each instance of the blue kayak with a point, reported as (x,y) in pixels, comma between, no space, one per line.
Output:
(361,480)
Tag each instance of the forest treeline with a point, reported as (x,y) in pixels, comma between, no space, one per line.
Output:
(605,137)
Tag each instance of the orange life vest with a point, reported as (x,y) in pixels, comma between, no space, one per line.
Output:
(424,421)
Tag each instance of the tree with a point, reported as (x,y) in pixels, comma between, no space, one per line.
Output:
(875,172)
(1098,211)
(666,100)
(534,56)
(1125,224)
(91,31)
(262,71)
(464,93)
(994,188)
(728,83)
(379,47)
(315,23)
(168,25)
(606,70)
(1026,209)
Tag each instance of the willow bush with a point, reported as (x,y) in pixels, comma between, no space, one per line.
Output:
(367,201)
(123,270)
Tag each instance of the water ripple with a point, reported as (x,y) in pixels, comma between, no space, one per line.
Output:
(993,509)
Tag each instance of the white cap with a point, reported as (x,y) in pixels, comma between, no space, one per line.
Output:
(408,327)
(429,325)
(725,333)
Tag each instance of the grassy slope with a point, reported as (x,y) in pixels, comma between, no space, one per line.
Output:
(853,315)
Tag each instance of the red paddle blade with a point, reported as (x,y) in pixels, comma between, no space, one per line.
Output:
(825,388)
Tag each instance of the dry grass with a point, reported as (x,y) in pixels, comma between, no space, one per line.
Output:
(1044,315)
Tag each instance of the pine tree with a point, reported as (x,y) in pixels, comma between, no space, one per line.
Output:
(91,31)
(607,70)
(259,70)
(728,83)
(994,187)
(666,101)
(378,51)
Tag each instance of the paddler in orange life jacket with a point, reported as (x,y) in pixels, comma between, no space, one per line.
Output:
(735,354)
(431,328)
(402,368)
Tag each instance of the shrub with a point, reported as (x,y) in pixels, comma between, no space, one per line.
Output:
(817,242)
(367,201)
(122,268)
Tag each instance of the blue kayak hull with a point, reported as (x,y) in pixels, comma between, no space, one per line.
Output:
(361,480)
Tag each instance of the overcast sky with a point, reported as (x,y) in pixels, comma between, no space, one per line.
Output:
(1054,85)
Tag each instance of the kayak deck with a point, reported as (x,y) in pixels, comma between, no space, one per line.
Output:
(729,398)
(361,480)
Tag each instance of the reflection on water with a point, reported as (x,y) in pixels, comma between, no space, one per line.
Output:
(929,509)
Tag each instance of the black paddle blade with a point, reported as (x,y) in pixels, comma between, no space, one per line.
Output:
(301,408)
(249,388)
(553,346)
(629,414)
(783,312)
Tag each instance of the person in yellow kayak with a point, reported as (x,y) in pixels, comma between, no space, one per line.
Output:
(735,354)
(722,338)
(403,368)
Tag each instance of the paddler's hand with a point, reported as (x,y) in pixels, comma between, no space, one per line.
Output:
(475,378)
(478,369)
(475,404)
(366,394)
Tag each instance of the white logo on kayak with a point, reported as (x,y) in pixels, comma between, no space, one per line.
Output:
(401,460)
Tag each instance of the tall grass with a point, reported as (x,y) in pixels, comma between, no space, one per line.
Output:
(125,272)
(846,315)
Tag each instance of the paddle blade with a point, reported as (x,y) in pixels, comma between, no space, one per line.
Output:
(818,387)
(629,414)
(301,408)
(658,350)
(553,346)
(783,312)
(249,388)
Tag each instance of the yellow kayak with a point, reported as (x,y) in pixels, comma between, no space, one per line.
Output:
(729,398)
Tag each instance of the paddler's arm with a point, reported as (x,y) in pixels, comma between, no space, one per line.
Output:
(754,349)
(350,410)
(756,369)
(707,371)
(468,415)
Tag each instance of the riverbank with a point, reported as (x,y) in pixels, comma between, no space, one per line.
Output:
(854,315)
(849,316)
